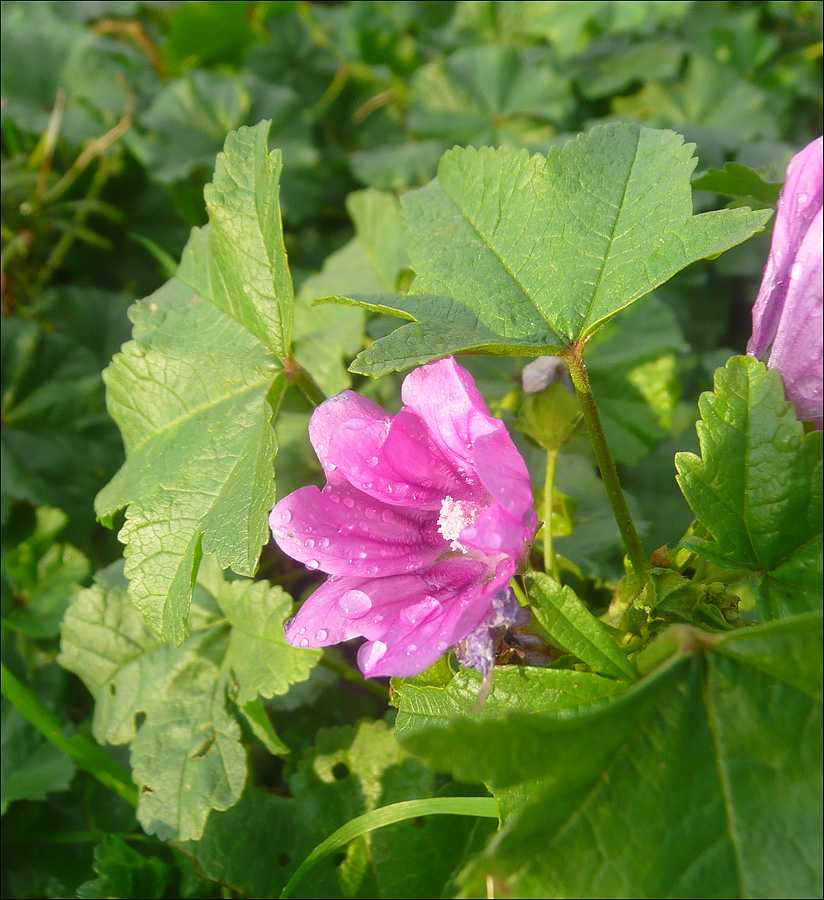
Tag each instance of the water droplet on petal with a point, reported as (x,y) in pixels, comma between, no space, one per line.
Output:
(348,502)
(323,543)
(412,648)
(304,642)
(372,461)
(321,635)
(286,516)
(377,620)
(302,631)
(311,564)
(308,543)
(386,516)
(375,652)
(334,499)
(354,604)
(370,512)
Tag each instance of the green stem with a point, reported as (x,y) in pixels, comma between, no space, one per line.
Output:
(85,754)
(302,380)
(550,566)
(350,674)
(609,474)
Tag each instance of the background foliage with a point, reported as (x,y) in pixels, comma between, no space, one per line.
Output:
(246,752)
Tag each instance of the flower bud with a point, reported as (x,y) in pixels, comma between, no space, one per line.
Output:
(787,326)
(551,413)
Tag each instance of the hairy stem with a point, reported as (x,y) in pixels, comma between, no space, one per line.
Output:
(580,379)
(302,380)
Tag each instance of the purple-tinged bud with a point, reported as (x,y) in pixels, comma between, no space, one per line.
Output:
(787,321)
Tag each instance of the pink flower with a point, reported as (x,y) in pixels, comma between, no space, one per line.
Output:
(423,521)
(787,312)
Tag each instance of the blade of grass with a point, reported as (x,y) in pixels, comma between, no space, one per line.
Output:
(485,807)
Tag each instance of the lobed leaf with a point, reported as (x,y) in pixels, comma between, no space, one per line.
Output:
(522,255)
(757,487)
(195,392)
(174,706)
(713,759)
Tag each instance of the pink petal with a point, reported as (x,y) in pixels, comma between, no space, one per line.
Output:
(497,531)
(503,472)
(409,620)
(444,395)
(399,465)
(345,409)
(800,201)
(421,624)
(797,351)
(342,531)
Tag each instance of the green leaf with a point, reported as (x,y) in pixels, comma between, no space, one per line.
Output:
(573,626)
(713,760)
(742,183)
(513,687)
(186,753)
(248,271)
(262,662)
(256,846)
(371,262)
(187,123)
(488,95)
(520,255)
(198,475)
(711,103)
(757,486)
(31,767)
(261,725)
(40,575)
(53,416)
(389,815)
(203,33)
(123,872)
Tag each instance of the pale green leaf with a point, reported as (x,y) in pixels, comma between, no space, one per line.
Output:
(513,687)
(174,706)
(248,269)
(198,476)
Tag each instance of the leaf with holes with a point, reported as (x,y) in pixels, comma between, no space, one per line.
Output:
(174,706)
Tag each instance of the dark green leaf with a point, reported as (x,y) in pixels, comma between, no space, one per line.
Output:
(714,760)
(125,873)
(757,487)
